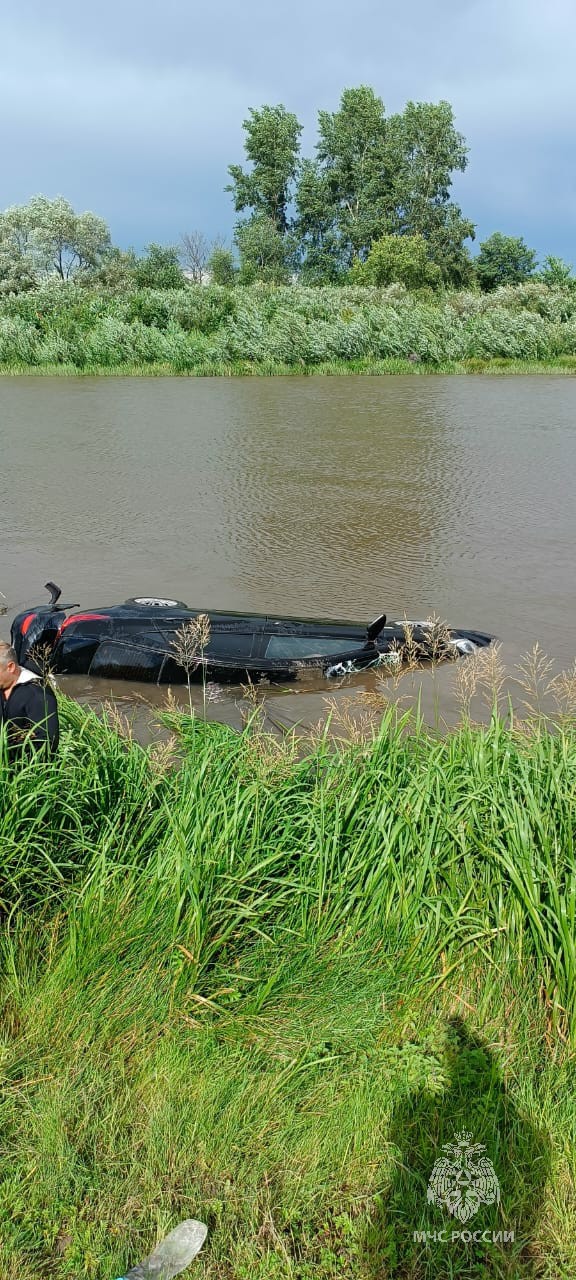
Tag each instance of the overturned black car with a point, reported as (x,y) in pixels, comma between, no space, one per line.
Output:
(165,642)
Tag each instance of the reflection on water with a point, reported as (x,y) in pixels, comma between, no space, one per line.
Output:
(326,496)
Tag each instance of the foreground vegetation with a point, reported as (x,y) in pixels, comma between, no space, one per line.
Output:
(267,329)
(263,987)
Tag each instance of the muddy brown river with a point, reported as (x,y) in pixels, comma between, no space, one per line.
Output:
(339,497)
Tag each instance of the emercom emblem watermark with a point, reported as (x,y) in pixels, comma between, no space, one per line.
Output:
(461,1182)
(463,1179)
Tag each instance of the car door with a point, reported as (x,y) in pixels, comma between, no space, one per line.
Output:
(234,641)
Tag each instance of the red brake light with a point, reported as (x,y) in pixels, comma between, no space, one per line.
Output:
(80,617)
(24,625)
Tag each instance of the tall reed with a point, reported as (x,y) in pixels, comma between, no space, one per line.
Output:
(458,841)
(271,329)
(257,980)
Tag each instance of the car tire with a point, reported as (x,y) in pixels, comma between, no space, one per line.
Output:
(154,602)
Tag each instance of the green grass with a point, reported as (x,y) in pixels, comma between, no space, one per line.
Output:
(263,987)
(563,366)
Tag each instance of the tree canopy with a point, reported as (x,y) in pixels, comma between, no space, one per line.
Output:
(402,259)
(372,175)
(372,204)
(556,272)
(272,145)
(504,260)
(263,251)
(47,237)
(159,268)
(221,266)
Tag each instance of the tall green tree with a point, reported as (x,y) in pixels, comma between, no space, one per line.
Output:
(424,151)
(375,176)
(343,197)
(504,260)
(272,145)
(323,255)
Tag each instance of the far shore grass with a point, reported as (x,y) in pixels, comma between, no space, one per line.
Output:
(563,366)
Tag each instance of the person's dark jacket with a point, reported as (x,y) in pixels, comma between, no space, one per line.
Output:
(31,712)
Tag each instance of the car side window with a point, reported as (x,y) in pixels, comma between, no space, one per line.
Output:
(289,646)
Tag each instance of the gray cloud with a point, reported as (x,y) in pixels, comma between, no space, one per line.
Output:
(135,109)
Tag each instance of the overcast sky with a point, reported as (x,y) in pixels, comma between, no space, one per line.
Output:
(134,108)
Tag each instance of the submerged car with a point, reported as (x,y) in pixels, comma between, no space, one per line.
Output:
(165,642)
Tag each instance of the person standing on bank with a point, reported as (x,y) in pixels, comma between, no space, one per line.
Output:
(27,707)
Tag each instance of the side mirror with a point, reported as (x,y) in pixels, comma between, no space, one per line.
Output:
(375,628)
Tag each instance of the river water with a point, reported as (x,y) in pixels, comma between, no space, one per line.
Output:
(340,497)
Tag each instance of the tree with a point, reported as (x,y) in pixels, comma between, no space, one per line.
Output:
(424,151)
(65,241)
(159,269)
(402,259)
(194,253)
(272,145)
(556,273)
(504,260)
(343,195)
(323,257)
(446,247)
(16,231)
(221,266)
(263,251)
(16,272)
(17,266)
(376,176)
(53,238)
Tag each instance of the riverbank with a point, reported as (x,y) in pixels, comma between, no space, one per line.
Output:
(564,367)
(265,987)
(266,329)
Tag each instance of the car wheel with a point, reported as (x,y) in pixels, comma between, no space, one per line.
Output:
(155,602)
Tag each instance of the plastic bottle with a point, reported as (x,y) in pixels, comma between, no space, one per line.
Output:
(173,1254)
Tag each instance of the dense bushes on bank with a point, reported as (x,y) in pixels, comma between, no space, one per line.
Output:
(205,329)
